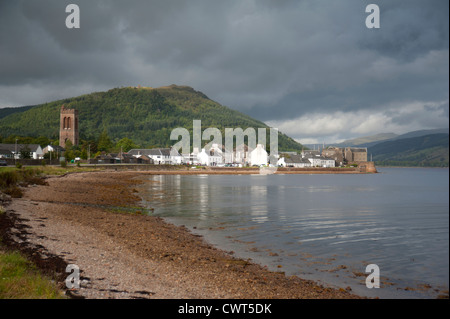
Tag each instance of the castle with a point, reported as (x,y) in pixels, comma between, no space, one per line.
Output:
(68,129)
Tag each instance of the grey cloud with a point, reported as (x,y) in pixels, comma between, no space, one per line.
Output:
(410,29)
(37,47)
(275,60)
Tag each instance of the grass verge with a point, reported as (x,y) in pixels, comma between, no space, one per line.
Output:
(11,178)
(20,279)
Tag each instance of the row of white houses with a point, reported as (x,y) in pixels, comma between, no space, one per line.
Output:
(243,155)
(216,155)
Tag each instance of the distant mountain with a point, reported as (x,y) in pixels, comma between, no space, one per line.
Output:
(422,133)
(145,115)
(426,150)
(362,141)
(372,140)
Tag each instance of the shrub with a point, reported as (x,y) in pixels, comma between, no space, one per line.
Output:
(11,180)
(8,178)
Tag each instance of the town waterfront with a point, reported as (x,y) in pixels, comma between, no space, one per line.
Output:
(325,227)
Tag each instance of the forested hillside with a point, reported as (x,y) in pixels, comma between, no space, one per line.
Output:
(10,110)
(144,115)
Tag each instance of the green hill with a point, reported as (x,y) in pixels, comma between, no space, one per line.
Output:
(145,115)
(427,150)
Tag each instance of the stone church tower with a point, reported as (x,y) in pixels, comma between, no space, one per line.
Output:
(68,129)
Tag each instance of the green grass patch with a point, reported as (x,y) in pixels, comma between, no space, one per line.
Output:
(51,170)
(12,178)
(20,279)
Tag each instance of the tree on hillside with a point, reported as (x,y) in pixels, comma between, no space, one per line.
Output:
(126,144)
(104,142)
(20,140)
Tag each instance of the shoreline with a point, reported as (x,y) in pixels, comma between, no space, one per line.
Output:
(93,220)
(184,170)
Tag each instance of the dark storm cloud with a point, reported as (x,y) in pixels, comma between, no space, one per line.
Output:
(352,68)
(275,60)
(414,28)
(39,47)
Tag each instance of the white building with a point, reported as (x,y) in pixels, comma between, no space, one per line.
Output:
(55,149)
(294,161)
(191,158)
(175,157)
(319,161)
(159,155)
(209,158)
(219,149)
(281,162)
(258,156)
(242,154)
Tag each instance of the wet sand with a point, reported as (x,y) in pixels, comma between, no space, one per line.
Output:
(94,220)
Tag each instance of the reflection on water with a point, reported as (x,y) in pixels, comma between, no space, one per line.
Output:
(322,227)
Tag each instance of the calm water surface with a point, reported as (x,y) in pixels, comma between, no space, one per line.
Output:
(323,227)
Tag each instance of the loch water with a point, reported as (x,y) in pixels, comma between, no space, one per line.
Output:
(323,227)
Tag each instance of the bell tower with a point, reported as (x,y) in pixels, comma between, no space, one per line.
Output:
(68,129)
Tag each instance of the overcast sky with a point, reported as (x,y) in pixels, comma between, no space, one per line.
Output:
(310,68)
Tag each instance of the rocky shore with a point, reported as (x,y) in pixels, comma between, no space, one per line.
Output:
(93,220)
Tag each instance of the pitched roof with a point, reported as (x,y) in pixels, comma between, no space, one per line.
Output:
(164,151)
(322,158)
(125,155)
(220,147)
(311,153)
(296,159)
(144,152)
(12,147)
(153,152)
